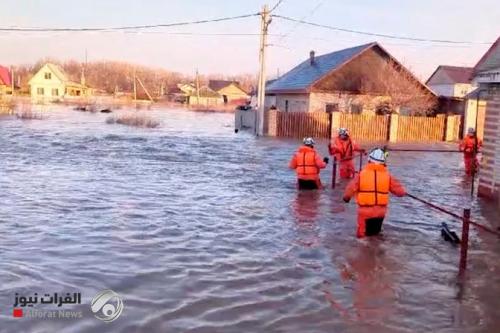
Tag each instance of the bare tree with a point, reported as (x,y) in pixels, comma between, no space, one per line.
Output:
(405,91)
(375,74)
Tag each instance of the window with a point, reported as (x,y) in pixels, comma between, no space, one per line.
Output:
(330,107)
(48,76)
(286,105)
(40,91)
(356,108)
(55,92)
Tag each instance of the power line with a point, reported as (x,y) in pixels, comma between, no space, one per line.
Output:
(302,18)
(276,6)
(136,27)
(415,39)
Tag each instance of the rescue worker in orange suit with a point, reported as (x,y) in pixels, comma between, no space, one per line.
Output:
(470,149)
(307,162)
(372,187)
(343,148)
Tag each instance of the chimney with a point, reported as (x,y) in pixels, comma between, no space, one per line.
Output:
(311,57)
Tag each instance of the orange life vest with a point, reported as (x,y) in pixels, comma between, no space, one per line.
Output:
(374,185)
(345,147)
(306,162)
(469,145)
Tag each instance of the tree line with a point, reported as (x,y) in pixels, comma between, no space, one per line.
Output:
(111,77)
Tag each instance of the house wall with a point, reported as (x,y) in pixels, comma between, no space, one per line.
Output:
(295,102)
(205,101)
(347,103)
(470,117)
(462,89)
(443,89)
(489,181)
(47,91)
(233,93)
(39,81)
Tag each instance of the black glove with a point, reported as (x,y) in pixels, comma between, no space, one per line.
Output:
(326,160)
(346,199)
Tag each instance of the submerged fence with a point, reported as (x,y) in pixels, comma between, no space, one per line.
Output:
(364,127)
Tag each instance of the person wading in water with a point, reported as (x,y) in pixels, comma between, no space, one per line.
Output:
(307,163)
(470,147)
(372,187)
(343,148)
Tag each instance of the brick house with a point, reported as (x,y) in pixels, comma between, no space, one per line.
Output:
(353,80)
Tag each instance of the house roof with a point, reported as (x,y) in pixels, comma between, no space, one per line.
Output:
(58,71)
(217,85)
(490,60)
(304,75)
(5,76)
(204,92)
(450,75)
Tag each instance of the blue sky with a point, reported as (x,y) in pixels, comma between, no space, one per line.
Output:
(444,19)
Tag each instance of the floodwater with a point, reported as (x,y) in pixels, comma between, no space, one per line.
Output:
(200,229)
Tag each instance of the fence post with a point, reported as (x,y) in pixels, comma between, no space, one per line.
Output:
(464,244)
(334,171)
(335,120)
(360,160)
(393,130)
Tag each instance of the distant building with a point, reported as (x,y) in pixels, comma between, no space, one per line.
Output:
(451,81)
(205,97)
(453,86)
(353,80)
(5,81)
(51,84)
(486,74)
(230,91)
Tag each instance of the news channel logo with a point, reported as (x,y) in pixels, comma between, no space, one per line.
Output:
(107,305)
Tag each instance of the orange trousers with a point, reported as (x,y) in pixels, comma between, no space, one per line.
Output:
(368,213)
(346,169)
(471,164)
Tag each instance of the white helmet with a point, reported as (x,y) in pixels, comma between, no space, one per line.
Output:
(377,156)
(308,141)
(343,131)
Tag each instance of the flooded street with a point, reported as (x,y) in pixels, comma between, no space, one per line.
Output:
(200,229)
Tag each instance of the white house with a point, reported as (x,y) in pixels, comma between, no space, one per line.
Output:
(51,84)
(451,81)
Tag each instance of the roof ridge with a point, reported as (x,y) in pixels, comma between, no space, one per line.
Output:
(362,46)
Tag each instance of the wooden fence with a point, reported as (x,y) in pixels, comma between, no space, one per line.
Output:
(302,124)
(364,127)
(420,129)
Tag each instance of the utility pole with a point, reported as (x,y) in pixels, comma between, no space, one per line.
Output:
(264,24)
(197,88)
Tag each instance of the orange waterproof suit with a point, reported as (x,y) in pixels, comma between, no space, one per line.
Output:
(307,162)
(468,146)
(372,186)
(344,151)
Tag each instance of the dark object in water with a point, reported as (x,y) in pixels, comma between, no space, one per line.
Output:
(80,108)
(236,130)
(106,111)
(449,235)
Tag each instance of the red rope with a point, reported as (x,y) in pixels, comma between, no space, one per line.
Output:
(483,227)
